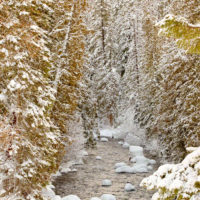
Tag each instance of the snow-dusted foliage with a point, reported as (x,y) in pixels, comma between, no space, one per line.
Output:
(33,62)
(104,77)
(186,33)
(176,181)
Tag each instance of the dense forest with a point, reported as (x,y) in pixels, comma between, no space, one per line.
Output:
(88,62)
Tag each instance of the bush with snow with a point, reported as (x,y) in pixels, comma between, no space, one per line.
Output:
(180,181)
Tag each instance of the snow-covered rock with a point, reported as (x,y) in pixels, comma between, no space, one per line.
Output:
(108,197)
(71,197)
(106,182)
(57,197)
(119,134)
(65,170)
(104,140)
(98,158)
(58,173)
(121,142)
(120,164)
(129,187)
(141,160)
(125,169)
(95,198)
(125,145)
(149,168)
(136,151)
(79,162)
(48,193)
(106,133)
(84,153)
(152,162)
(140,168)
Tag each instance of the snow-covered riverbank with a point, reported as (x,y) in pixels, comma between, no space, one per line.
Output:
(89,179)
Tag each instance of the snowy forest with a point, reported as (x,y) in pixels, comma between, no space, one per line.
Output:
(87,85)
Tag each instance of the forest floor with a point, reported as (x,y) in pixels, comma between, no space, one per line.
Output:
(87,181)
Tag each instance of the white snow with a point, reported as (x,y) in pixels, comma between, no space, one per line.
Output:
(121,164)
(48,193)
(106,182)
(104,140)
(176,179)
(13,85)
(121,142)
(84,153)
(95,198)
(98,158)
(140,168)
(125,145)
(79,162)
(2,97)
(71,197)
(106,133)
(129,187)
(136,150)
(125,169)
(149,168)
(133,139)
(65,170)
(108,197)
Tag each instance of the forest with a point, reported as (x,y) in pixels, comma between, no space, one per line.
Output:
(71,69)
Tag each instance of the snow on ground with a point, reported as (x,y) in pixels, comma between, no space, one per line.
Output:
(137,164)
(107,133)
